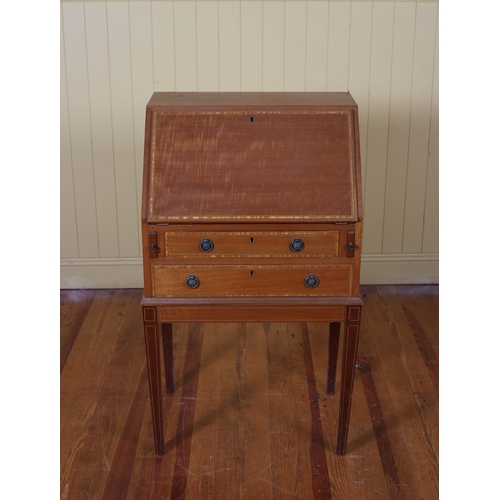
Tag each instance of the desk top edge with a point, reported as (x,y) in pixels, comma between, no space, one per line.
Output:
(179,100)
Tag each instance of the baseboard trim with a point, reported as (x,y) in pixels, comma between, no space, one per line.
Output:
(402,269)
(102,273)
(376,269)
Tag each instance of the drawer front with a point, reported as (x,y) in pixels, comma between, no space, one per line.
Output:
(240,281)
(252,244)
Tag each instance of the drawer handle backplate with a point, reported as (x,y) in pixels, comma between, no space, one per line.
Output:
(296,245)
(206,245)
(192,282)
(311,281)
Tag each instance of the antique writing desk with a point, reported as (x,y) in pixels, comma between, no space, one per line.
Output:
(251,212)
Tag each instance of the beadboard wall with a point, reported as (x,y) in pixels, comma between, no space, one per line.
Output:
(115,54)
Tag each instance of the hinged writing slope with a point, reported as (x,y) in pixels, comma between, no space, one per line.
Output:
(271,164)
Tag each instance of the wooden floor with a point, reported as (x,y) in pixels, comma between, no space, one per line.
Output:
(250,417)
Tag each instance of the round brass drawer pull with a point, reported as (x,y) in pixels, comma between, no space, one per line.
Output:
(311,281)
(192,282)
(296,245)
(206,245)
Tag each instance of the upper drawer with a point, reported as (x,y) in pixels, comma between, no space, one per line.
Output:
(252,244)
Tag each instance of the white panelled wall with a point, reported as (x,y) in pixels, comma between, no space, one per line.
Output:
(115,54)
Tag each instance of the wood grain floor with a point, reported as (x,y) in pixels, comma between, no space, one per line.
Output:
(250,417)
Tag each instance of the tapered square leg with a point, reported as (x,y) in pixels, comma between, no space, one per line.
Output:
(333,354)
(351,338)
(151,335)
(168,355)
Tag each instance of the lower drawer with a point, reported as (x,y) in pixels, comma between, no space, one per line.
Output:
(235,281)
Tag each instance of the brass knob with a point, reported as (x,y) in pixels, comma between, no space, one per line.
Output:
(192,282)
(296,245)
(311,281)
(206,245)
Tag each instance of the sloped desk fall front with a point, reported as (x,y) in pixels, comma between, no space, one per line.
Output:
(251,213)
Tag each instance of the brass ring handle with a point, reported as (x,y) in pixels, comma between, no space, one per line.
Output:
(297,245)
(311,281)
(192,282)
(206,245)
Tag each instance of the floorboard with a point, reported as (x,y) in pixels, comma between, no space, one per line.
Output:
(250,417)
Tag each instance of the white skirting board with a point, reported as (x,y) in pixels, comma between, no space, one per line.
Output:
(400,269)
(376,269)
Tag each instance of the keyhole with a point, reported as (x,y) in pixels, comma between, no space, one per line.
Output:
(251,119)
(251,273)
(251,240)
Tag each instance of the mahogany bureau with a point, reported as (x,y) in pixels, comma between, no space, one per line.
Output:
(251,211)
